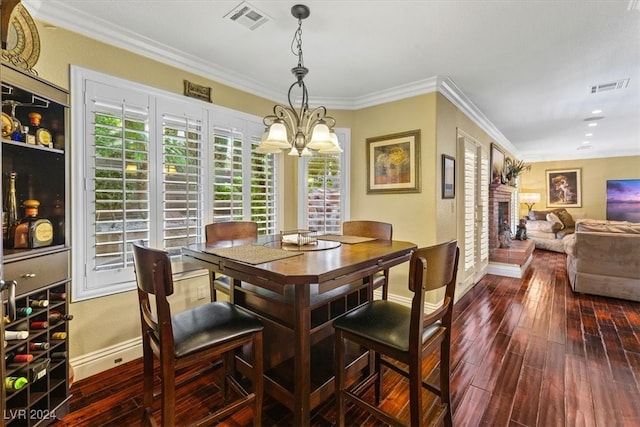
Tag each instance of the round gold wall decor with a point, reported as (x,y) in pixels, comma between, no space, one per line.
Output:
(23,41)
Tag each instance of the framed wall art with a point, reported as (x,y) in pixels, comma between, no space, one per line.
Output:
(393,163)
(564,188)
(497,164)
(448,177)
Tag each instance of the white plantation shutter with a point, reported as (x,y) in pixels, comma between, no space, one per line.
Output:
(141,153)
(324,212)
(484,207)
(244,182)
(182,173)
(324,200)
(470,211)
(263,189)
(118,194)
(228,200)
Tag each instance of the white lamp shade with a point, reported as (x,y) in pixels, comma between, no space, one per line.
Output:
(320,137)
(529,197)
(335,145)
(277,136)
(266,149)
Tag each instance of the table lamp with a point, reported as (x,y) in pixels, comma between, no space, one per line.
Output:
(529,199)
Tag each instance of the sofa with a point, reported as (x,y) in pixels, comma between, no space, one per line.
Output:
(548,228)
(603,258)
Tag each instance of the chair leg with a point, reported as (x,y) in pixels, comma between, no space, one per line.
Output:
(339,369)
(258,378)
(168,380)
(445,395)
(415,391)
(377,366)
(147,373)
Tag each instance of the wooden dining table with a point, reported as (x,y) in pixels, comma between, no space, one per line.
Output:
(297,291)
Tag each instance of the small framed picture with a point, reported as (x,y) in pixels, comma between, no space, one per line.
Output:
(448,177)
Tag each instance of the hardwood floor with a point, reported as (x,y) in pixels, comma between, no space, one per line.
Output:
(526,352)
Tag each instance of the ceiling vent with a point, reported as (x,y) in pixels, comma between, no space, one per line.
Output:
(605,87)
(247,15)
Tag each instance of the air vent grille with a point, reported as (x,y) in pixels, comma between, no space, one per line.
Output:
(248,16)
(605,87)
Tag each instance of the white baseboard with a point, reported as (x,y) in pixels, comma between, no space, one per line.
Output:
(106,358)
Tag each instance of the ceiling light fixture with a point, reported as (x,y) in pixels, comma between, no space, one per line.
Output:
(303,130)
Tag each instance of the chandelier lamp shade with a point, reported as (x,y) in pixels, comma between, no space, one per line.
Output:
(530,199)
(301,131)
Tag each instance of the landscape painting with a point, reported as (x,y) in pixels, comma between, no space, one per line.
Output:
(623,200)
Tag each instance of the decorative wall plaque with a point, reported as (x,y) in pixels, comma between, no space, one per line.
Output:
(194,90)
(22,47)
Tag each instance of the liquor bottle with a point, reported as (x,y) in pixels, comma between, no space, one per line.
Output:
(57,134)
(41,135)
(12,208)
(32,231)
(27,136)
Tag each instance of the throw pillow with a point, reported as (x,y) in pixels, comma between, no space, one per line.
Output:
(565,218)
(552,217)
(537,215)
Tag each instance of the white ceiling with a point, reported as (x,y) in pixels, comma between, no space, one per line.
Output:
(525,67)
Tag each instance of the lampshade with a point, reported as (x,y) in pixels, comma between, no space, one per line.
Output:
(277,135)
(530,198)
(320,137)
(335,145)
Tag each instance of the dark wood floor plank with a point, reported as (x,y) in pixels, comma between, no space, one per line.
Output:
(525,352)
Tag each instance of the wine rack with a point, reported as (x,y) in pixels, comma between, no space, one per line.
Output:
(41,270)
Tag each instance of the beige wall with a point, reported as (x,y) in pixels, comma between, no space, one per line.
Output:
(594,172)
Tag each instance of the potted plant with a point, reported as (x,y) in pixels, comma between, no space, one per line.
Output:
(514,169)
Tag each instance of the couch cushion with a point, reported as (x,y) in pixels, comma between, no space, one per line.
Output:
(604,226)
(567,231)
(552,217)
(565,217)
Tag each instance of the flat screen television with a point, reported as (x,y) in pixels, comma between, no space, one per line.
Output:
(623,200)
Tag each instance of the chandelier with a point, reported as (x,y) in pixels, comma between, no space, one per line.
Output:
(302,131)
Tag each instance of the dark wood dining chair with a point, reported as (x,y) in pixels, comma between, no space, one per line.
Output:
(212,331)
(397,333)
(375,230)
(235,232)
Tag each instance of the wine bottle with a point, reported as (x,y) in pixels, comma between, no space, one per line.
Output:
(12,208)
(39,303)
(37,346)
(15,383)
(56,317)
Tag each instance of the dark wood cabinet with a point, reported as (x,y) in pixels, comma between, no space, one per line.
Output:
(39,354)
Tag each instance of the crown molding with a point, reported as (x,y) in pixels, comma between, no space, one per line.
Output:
(61,15)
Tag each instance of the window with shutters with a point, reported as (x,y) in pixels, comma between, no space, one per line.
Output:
(325,198)
(245,182)
(141,159)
